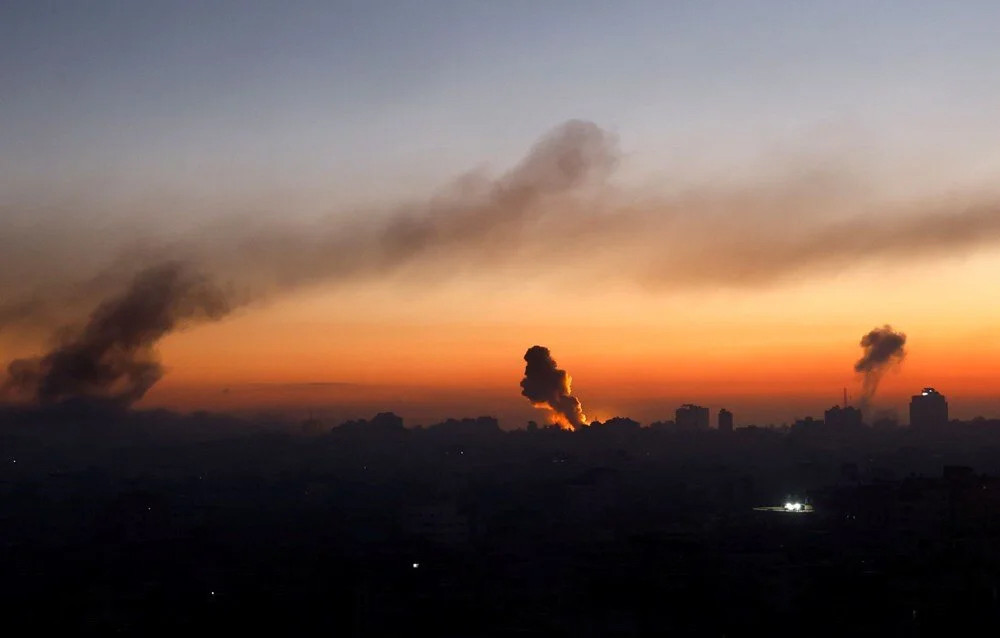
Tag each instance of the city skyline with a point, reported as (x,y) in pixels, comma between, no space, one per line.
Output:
(480,318)
(763,184)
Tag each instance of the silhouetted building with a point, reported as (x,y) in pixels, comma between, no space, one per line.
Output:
(885,422)
(928,409)
(846,417)
(618,422)
(691,417)
(381,423)
(668,426)
(807,424)
(479,425)
(725,420)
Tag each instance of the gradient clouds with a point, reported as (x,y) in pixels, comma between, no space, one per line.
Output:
(216,135)
(553,212)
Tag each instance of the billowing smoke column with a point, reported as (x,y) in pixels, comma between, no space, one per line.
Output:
(883,347)
(546,386)
(112,358)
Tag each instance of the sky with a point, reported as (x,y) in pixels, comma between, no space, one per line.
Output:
(379,187)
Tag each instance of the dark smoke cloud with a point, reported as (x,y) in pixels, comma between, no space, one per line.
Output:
(113,357)
(883,347)
(478,222)
(469,226)
(551,214)
(792,226)
(755,245)
(547,386)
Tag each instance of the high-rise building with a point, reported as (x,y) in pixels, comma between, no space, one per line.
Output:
(842,417)
(691,417)
(928,409)
(725,420)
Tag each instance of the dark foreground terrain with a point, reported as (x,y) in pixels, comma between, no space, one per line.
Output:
(154,524)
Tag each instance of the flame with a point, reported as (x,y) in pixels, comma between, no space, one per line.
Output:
(555,418)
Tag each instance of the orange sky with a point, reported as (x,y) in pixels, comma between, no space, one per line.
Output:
(771,194)
(429,350)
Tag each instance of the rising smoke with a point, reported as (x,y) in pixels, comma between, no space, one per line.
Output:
(112,358)
(546,386)
(532,217)
(883,348)
(474,224)
(791,226)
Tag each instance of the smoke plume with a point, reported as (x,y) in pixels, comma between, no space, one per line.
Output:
(546,386)
(476,222)
(790,225)
(883,347)
(113,356)
(532,220)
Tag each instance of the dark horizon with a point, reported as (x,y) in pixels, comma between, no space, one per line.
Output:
(148,522)
(495,319)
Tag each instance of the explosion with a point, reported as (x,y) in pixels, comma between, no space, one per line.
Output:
(546,386)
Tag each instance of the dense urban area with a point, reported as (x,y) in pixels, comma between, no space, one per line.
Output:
(150,523)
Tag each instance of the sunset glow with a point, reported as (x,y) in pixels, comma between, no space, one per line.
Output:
(727,260)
